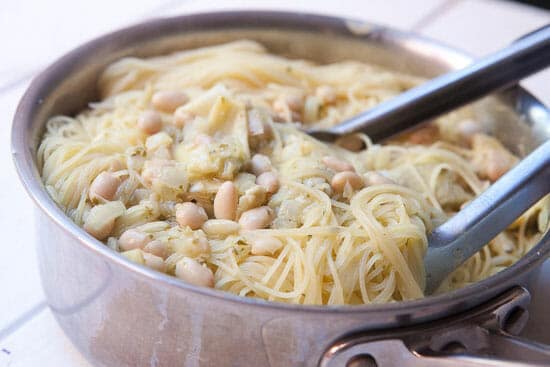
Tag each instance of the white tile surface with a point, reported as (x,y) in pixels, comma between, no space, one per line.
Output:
(399,13)
(484,26)
(21,288)
(34,32)
(40,342)
(481,27)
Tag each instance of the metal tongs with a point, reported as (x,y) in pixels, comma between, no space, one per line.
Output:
(453,242)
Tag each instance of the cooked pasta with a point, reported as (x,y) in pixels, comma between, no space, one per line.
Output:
(195,164)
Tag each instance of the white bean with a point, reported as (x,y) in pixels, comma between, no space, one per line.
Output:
(133,238)
(104,186)
(154,262)
(157,248)
(225,201)
(220,227)
(191,215)
(256,218)
(269,181)
(337,164)
(341,179)
(264,245)
(150,122)
(375,178)
(168,101)
(260,163)
(350,142)
(193,272)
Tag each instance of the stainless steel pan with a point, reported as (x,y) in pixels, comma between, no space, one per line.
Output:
(121,314)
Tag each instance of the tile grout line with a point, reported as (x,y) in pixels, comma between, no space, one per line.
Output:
(434,14)
(22,319)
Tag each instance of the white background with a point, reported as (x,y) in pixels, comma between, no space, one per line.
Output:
(35,32)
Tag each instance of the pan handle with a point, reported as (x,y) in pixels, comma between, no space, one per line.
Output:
(394,352)
(376,355)
(482,337)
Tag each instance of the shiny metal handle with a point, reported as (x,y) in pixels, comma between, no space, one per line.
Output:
(527,55)
(493,211)
(390,353)
(481,337)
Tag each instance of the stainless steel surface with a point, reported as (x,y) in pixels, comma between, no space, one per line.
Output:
(121,314)
(401,356)
(456,240)
(526,56)
(484,336)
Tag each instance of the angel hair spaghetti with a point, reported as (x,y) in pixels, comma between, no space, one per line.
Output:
(194,164)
